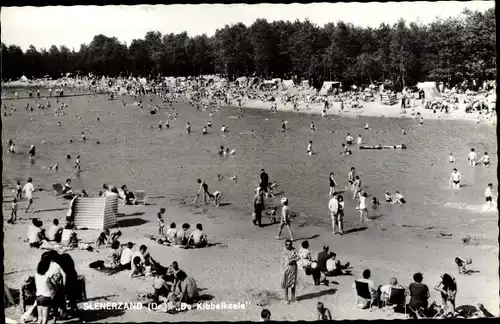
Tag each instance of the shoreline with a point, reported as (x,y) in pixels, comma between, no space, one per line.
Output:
(373,110)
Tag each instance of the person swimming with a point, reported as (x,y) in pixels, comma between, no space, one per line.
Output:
(388,197)
(345,150)
(204,131)
(451,158)
(366,126)
(221,150)
(309,148)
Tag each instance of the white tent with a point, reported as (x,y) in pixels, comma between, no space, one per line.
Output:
(288,84)
(96,213)
(328,87)
(242,81)
(430,90)
(24,79)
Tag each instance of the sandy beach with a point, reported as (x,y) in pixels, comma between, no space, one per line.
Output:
(243,264)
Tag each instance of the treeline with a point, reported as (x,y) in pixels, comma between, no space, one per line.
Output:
(451,50)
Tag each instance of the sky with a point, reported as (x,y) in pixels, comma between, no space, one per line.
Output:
(72,26)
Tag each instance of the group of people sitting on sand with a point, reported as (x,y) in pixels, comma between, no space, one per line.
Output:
(325,265)
(124,194)
(38,236)
(181,237)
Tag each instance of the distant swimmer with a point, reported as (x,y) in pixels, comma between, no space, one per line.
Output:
(83,137)
(349,139)
(312,127)
(399,198)
(359,140)
(283,125)
(488,195)
(455,179)
(224,129)
(472,157)
(485,159)
(188,127)
(12,148)
(204,130)
(388,197)
(68,157)
(167,124)
(31,152)
(421,120)
(221,150)
(209,124)
(235,177)
(160,124)
(323,113)
(403,131)
(55,167)
(366,126)
(309,148)
(451,158)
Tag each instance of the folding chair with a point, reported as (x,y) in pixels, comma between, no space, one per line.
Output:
(363,291)
(140,197)
(419,313)
(397,297)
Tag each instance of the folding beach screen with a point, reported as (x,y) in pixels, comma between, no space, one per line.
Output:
(288,84)
(430,90)
(96,213)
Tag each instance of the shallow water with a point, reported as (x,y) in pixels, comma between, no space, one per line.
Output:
(167,162)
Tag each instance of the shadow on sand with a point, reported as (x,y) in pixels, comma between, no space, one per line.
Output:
(92,315)
(133,214)
(131,222)
(307,238)
(354,230)
(100,297)
(317,294)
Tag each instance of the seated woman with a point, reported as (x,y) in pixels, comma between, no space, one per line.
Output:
(419,294)
(112,261)
(67,187)
(182,235)
(128,196)
(198,239)
(137,269)
(36,234)
(162,285)
(171,233)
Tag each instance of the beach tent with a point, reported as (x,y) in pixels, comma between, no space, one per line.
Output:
(430,90)
(24,79)
(328,87)
(242,81)
(96,213)
(288,84)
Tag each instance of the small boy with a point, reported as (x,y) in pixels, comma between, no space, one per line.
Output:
(161,223)
(488,195)
(323,312)
(451,158)
(13,215)
(462,262)
(19,191)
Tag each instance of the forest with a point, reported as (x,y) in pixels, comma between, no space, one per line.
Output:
(450,50)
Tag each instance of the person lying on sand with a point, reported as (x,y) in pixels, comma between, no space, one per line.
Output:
(334,267)
(345,150)
(462,263)
(198,239)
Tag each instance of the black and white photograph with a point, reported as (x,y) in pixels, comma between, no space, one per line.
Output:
(249,162)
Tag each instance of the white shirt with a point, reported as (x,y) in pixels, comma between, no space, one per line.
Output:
(42,288)
(28,189)
(52,231)
(33,232)
(66,236)
(54,268)
(333,205)
(362,204)
(349,139)
(451,158)
(472,156)
(330,264)
(487,192)
(126,256)
(486,158)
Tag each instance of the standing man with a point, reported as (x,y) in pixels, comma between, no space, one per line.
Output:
(455,178)
(264,181)
(28,190)
(258,206)
(333,205)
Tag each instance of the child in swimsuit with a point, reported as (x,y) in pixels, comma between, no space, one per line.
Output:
(388,197)
(451,158)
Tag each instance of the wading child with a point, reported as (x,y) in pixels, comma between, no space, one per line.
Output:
(13,215)
(488,195)
(161,224)
(363,211)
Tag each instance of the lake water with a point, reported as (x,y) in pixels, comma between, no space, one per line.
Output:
(167,162)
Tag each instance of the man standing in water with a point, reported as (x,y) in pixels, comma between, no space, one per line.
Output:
(455,178)
(285,219)
(264,181)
